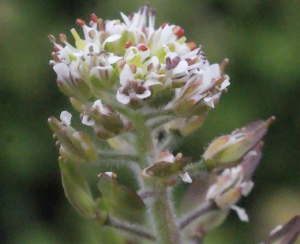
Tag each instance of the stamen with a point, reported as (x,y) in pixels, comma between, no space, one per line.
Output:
(92,34)
(127,44)
(191,46)
(143,47)
(100,25)
(132,68)
(51,38)
(178,31)
(94,18)
(80,22)
(55,57)
(62,38)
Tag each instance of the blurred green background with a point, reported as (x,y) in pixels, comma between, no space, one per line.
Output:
(261,40)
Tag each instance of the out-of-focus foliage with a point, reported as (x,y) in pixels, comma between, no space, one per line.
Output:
(261,40)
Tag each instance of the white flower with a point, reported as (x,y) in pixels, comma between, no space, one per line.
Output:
(65,117)
(229,188)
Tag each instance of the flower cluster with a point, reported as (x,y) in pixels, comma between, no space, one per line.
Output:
(139,89)
(133,64)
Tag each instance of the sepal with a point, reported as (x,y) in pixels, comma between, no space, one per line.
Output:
(78,192)
(119,200)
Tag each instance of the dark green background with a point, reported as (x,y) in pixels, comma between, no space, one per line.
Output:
(261,40)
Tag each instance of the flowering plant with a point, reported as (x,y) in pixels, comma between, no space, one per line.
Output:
(140,89)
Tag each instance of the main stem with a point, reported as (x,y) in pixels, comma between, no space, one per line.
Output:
(166,229)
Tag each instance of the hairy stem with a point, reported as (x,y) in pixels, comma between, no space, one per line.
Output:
(166,229)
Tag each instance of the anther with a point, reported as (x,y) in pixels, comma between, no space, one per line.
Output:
(178,31)
(132,68)
(191,46)
(127,44)
(143,47)
(94,18)
(51,38)
(92,34)
(80,22)
(55,57)
(62,38)
(100,25)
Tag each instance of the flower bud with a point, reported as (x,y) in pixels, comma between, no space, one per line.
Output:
(230,149)
(105,121)
(168,168)
(74,146)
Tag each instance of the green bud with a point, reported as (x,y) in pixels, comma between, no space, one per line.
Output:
(229,150)
(75,146)
(168,168)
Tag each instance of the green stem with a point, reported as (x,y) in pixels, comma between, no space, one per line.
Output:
(166,229)
(129,229)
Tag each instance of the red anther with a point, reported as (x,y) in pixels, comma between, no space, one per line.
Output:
(62,38)
(178,31)
(80,22)
(143,47)
(127,44)
(164,24)
(94,18)
(191,45)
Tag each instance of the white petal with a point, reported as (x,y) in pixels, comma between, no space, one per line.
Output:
(181,69)
(167,157)
(122,98)
(86,120)
(62,71)
(110,174)
(125,18)
(276,229)
(209,101)
(113,59)
(152,82)
(65,117)
(186,178)
(112,38)
(146,93)
(247,187)
(241,213)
